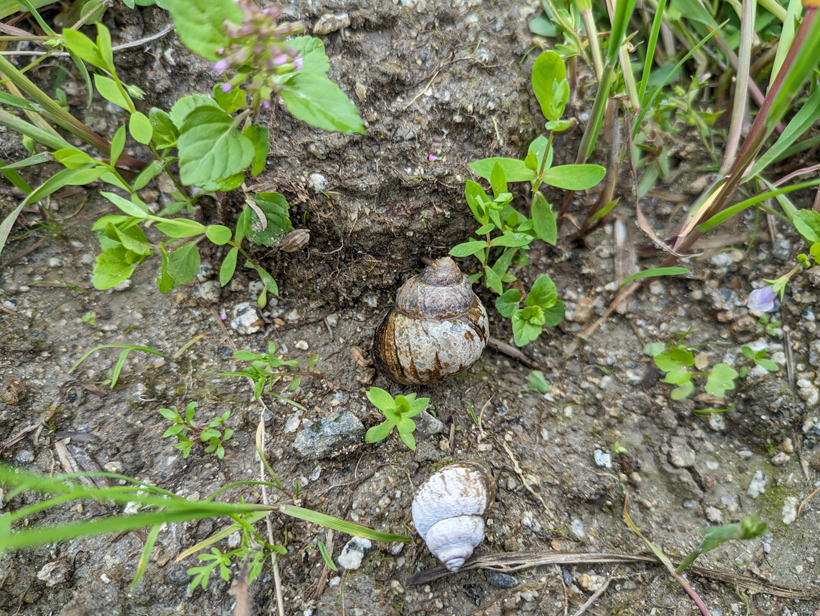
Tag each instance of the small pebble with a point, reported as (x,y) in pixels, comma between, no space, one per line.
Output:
(758,484)
(302,345)
(353,553)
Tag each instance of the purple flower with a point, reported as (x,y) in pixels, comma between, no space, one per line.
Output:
(762,300)
(221,66)
(280,59)
(431,157)
(265,104)
(226,87)
(297,62)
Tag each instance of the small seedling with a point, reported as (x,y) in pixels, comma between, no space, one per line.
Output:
(537,382)
(90,318)
(188,432)
(266,368)
(397,415)
(758,358)
(542,308)
(115,374)
(677,360)
(715,536)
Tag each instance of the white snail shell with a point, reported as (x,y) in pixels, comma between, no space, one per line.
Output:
(448,511)
(437,328)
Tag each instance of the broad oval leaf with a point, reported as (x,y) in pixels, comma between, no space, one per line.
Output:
(318,101)
(514,170)
(574,177)
(210,147)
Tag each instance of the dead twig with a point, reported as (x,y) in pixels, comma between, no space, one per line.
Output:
(510,351)
(597,594)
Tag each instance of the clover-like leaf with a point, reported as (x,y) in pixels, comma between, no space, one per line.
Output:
(721,379)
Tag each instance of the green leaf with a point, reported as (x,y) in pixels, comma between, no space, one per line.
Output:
(381,399)
(498,180)
(314,58)
(84,47)
(379,433)
(218,234)
(267,280)
(275,208)
(653,349)
(104,45)
(603,211)
(113,267)
(508,303)
(536,381)
(466,249)
(230,102)
(549,84)
(72,158)
(408,439)
(807,223)
(512,240)
(476,199)
(210,147)
(180,227)
(318,101)
(224,185)
(524,332)
(228,267)
(185,105)
(681,392)
(260,138)
(721,378)
(768,364)
(200,24)
(674,358)
(140,128)
(164,280)
(514,170)
(678,376)
(542,26)
(184,263)
(117,145)
(543,293)
(109,90)
(132,237)
(137,210)
(574,177)
(153,169)
(554,314)
(493,280)
(165,131)
(654,273)
(543,218)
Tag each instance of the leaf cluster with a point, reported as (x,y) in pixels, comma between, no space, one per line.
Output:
(398,414)
(542,308)
(188,431)
(267,368)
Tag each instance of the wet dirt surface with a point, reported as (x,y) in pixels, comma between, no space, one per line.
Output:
(438,86)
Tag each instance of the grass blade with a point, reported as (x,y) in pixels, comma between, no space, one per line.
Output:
(146,554)
(654,273)
(650,49)
(341,525)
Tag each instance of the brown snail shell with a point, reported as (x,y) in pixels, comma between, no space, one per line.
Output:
(436,329)
(449,508)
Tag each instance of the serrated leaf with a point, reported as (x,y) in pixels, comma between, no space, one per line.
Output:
(318,101)
(185,105)
(276,210)
(260,138)
(543,293)
(230,102)
(508,303)
(200,24)
(210,147)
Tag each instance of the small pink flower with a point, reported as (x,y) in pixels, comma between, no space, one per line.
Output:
(265,104)
(223,316)
(431,157)
(221,66)
(297,62)
(226,87)
(280,59)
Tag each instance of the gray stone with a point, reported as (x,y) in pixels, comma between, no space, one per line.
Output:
(353,553)
(680,454)
(330,436)
(501,580)
(245,320)
(210,291)
(54,573)
(427,424)
(603,459)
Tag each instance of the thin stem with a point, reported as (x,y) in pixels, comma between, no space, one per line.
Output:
(747,33)
(689,560)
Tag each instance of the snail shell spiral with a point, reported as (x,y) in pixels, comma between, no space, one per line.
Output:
(437,328)
(448,511)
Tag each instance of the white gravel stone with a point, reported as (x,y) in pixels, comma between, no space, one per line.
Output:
(317,182)
(758,484)
(245,319)
(790,505)
(353,553)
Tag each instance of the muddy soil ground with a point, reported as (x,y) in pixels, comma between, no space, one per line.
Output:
(447,80)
